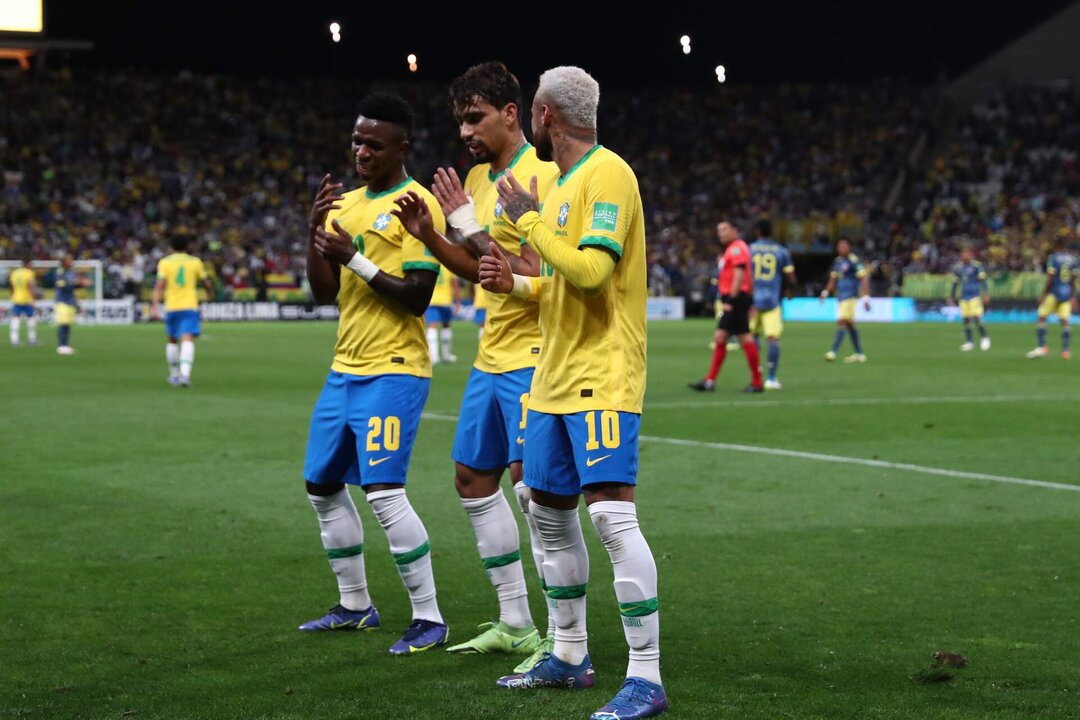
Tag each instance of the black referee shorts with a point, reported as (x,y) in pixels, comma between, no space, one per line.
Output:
(737,322)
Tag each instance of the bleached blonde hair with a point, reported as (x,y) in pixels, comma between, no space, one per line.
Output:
(572,93)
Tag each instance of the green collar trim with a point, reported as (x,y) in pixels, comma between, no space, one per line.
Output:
(492,177)
(400,186)
(579,163)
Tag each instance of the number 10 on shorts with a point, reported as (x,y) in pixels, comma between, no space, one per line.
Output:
(609,430)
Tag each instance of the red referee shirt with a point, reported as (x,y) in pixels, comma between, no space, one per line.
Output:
(737,254)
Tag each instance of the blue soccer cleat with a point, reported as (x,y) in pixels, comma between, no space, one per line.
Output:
(552,673)
(638,698)
(420,636)
(341,618)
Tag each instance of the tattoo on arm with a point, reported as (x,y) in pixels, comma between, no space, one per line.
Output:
(519,204)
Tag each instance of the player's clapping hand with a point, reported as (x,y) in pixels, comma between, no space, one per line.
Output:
(155,312)
(326,199)
(336,246)
(414,214)
(448,191)
(495,273)
(516,200)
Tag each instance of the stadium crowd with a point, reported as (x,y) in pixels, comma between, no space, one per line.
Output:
(94,163)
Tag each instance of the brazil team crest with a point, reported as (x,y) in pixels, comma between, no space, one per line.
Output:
(498,208)
(382,221)
(564,213)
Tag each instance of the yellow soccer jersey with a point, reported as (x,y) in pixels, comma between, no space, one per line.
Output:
(481,298)
(594,346)
(377,336)
(443,294)
(182,273)
(511,338)
(22,279)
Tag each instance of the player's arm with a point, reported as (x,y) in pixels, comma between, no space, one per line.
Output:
(412,292)
(211,291)
(1051,274)
(864,286)
(496,276)
(790,281)
(155,299)
(323,275)
(955,287)
(588,267)
(984,288)
(829,285)
(737,277)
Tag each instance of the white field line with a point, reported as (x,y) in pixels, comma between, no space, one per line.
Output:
(821,457)
(936,400)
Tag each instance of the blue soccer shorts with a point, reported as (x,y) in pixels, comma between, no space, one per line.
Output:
(564,453)
(439,314)
(22,311)
(491,424)
(182,322)
(363,428)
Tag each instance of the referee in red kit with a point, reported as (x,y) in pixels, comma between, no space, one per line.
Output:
(737,296)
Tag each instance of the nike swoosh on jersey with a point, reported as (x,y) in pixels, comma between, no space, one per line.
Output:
(372,462)
(589,462)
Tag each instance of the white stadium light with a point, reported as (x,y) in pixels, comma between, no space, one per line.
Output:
(720,73)
(336,37)
(411,59)
(685,40)
(335,28)
(685,49)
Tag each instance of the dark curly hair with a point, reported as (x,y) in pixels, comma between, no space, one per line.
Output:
(389,108)
(491,82)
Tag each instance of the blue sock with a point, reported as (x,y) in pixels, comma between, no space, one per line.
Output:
(855,339)
(838,339)
(774,358)
(63,332)
(982,330)
(1040,333)
(1066,335)
(967,333)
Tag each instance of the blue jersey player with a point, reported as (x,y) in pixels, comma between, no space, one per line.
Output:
(850,279)
(771,264)
(969,279)
(66,306)
(1058,297)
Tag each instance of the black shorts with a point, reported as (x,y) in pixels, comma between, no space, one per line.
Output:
(737,322)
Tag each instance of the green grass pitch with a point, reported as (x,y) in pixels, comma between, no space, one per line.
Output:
(157,550)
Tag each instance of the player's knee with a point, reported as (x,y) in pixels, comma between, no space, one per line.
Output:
(472,483)
(612,520)
(323,489)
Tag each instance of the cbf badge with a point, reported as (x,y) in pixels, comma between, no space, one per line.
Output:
(498,208)
(564,213)
(382,222)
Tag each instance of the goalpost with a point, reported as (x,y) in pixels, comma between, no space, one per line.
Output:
(94,269)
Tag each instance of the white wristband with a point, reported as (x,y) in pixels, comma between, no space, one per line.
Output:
(523,287)
(865,298)
(463,219)
(363,267)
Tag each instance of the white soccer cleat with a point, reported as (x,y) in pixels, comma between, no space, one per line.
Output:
(65,350)
(984,344)
(830,356)
(450,359)
(967,347)
(1038,353)
(773,385)
(856,358)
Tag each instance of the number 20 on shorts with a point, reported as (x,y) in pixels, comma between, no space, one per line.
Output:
(609,430)
(388,430)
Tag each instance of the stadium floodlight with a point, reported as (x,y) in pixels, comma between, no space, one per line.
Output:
(685,49)
(335,28)
(411,59)
(337,37)
(685,41)
(721,73)
(412,67)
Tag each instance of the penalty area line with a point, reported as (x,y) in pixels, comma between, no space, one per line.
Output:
(840,459)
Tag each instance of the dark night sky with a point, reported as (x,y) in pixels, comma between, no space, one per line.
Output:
(848,40)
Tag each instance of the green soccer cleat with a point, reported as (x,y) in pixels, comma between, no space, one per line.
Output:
(498,637)
(542,652)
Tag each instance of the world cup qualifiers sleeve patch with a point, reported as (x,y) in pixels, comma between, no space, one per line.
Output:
(605,217)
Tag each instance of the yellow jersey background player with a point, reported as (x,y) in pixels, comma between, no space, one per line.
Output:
(445,301)
(23,283)
(178,278)
(491,424)
(584,414)
(365,421)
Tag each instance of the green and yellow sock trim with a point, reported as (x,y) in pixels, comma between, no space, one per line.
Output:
(640,608)
(413,555)
(567,592)
(502,560)
(348,552)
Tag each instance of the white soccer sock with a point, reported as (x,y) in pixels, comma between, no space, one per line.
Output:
(446,335)
(499,545)
(635,584)
(566,568)
(433,344)
(411,550)
(187,358)
(343,538)
(14,330)
(524,495)
(172,356)
(31,329)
